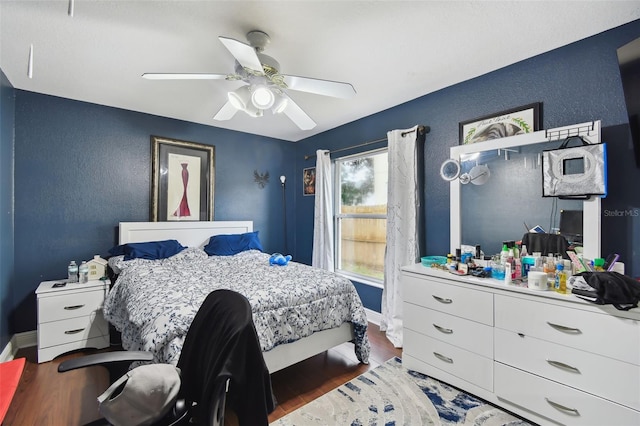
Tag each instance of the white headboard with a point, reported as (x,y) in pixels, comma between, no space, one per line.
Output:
(189,234)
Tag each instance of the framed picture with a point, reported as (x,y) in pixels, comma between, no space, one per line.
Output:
(182,180)
(309,181)
(525,119)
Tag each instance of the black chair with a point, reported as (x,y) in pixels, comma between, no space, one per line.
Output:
(221,365)
(546,243)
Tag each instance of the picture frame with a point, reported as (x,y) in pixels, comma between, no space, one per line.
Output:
(182,180)
(511,122)
(309,181)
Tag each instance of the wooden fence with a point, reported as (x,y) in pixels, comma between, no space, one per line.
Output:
(363,241)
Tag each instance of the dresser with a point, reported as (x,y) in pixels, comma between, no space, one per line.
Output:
(70,317)
(550,358)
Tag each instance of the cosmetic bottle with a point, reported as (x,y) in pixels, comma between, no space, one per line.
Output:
(504,253)
(560,284)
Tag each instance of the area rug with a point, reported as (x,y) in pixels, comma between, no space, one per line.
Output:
(392,395)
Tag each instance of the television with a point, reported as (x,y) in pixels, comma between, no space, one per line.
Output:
(571,225)
(629,63)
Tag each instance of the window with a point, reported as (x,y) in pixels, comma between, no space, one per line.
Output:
(361,215)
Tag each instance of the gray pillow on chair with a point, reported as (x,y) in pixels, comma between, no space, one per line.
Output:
(142,396)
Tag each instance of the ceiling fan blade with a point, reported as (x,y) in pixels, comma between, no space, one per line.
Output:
(226,112)
(335,89)
(298,116)
(244,53)
(183,76)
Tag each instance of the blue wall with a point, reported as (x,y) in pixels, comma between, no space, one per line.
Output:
(7,117)
(576,83)
(81,168)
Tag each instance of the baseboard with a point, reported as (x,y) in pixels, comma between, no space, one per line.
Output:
(373,316)
(18,341)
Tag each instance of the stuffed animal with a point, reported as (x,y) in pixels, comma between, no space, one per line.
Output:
(278,259)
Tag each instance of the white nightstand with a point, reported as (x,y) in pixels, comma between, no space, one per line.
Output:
(70,318)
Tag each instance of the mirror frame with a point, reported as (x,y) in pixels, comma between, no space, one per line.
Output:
(590,131)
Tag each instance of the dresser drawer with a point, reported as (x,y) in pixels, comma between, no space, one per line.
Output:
(72,330)
(69,305)
(463,302)
(466,334)
(558,402)
(461,363)
(605,377)
(602,334)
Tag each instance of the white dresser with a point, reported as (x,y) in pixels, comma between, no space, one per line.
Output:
(548,357)
(70,318)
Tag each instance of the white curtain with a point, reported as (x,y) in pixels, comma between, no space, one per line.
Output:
(403,245)
(322,256)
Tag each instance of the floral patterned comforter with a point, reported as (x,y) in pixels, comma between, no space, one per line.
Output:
(153,302)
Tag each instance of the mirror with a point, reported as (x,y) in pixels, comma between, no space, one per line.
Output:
(478,175)
(450,170)
(510,202)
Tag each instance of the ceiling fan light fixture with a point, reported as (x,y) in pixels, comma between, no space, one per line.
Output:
(262,97)
(240,98)
(254,112)
(280,105)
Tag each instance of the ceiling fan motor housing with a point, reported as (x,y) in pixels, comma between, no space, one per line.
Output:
(258,39)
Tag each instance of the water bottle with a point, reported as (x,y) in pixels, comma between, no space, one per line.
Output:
(73,272)
(84,272)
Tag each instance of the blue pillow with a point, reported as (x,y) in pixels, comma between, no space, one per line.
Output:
(152,250)
(230,244)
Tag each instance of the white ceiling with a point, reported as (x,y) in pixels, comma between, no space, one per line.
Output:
(390,51)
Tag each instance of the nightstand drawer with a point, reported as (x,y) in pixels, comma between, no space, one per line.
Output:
(64,306)
(72,330)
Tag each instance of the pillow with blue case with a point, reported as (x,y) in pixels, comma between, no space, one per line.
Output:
(152,250)
(230,244)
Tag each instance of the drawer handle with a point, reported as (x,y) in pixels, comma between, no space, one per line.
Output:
(443,358)
(442,329)
(73,308)
(563,366)
(441,300)
(76,331)
(565,329)
(560,407)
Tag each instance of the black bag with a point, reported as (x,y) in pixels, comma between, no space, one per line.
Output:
(613,288)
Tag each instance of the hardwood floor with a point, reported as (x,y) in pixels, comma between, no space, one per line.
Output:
(46,397)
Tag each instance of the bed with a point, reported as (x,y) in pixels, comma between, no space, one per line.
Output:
(299,311)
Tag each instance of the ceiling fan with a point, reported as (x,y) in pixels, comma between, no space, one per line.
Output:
(265,87)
